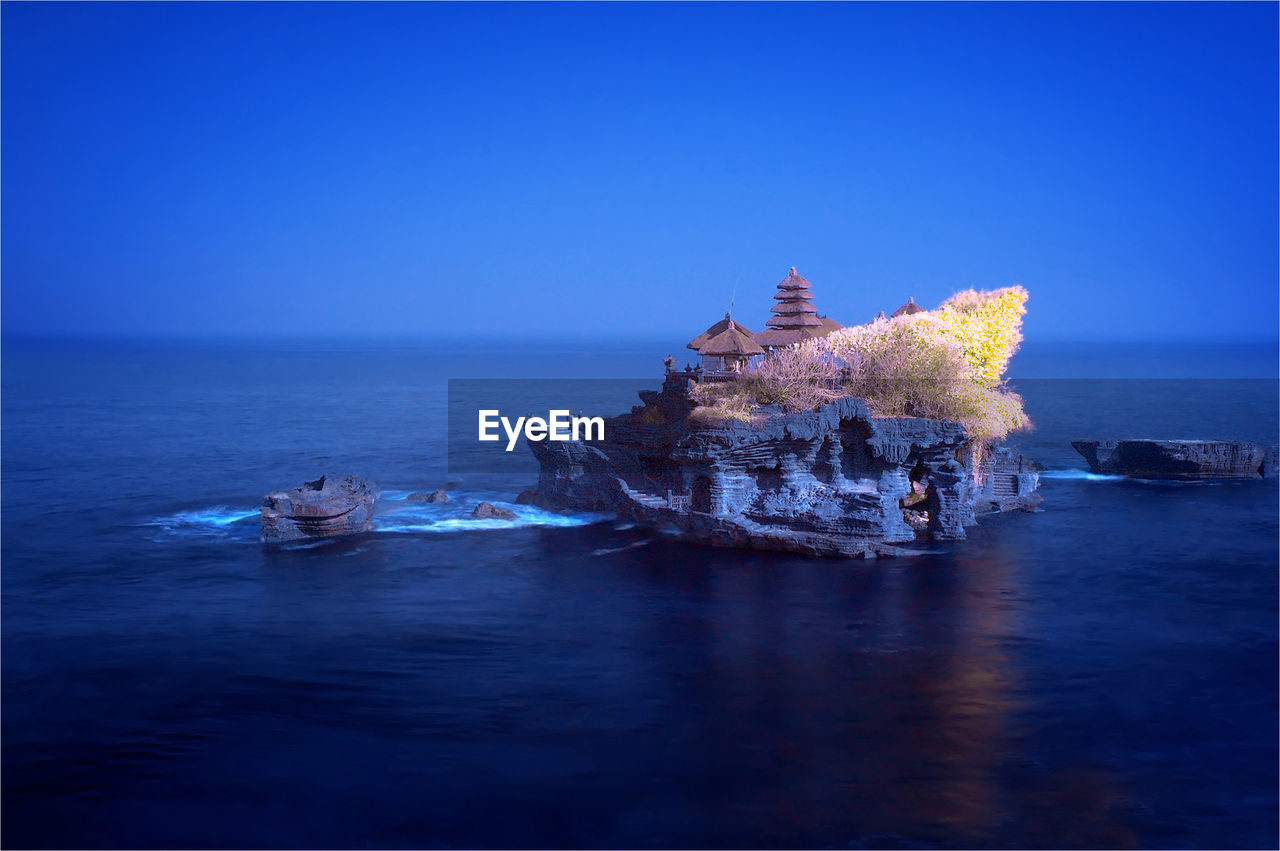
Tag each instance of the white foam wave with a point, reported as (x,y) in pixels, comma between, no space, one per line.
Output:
(396,524)
(455,516)
(399,517)
(218,523)
(217,517)
(1083,475)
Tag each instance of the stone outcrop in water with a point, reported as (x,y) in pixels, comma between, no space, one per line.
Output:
(489,511)
(435,497)
(831,482)
(1179,459)
(321,509)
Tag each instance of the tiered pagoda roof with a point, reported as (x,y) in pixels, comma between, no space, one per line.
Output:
(794,317)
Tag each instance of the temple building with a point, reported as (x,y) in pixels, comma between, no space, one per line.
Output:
(725,347)
(794,317)
(909,308)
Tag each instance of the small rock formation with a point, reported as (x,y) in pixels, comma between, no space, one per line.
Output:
(434,496)
(489,511)
(527,497)
(836,481)
(320,509)
(1179,459)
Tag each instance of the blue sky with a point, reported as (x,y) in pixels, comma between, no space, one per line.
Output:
(452,170)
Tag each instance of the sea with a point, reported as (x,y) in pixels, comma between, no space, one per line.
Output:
(1101,673)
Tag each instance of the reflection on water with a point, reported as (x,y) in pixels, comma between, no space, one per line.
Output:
(878,705)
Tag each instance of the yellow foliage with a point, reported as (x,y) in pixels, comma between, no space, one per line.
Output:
(988,326)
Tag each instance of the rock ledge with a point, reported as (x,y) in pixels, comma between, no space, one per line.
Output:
(1179,459)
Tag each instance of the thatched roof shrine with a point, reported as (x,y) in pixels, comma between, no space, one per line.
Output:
(719,328)
(909,308)
(733,340)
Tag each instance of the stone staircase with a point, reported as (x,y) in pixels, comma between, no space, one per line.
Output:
(646,499)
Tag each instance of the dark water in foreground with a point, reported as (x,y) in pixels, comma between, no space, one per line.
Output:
(1099,674)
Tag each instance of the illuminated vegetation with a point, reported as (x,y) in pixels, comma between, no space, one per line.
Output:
(946,363)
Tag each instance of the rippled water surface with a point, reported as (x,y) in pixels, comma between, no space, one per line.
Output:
(1102,673)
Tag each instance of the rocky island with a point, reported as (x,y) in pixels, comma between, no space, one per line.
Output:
(323,508)
(834,482)
(1179,459)
(816,438)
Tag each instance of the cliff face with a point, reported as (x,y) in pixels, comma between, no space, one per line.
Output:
(832,482)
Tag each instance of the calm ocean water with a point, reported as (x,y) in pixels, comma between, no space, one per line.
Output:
(1102,673)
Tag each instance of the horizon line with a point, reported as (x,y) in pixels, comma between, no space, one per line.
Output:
(549,337)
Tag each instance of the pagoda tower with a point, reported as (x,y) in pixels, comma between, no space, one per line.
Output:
(794,317)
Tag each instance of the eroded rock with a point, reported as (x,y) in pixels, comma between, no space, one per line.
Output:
(434,497)
(321,509)
(836,481)
(1179,459)
(489,511)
